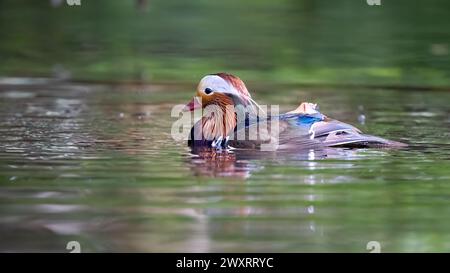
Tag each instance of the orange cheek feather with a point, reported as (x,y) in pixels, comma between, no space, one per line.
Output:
(220,124)
(206,99)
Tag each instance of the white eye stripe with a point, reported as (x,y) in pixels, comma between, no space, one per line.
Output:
(216,84)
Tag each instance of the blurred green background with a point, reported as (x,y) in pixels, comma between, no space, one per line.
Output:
(401,42)
(96,163)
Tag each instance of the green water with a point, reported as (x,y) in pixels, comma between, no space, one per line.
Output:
(98,165)
(86,153)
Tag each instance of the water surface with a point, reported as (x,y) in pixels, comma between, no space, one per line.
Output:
(97,164)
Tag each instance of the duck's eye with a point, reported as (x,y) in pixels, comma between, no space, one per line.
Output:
(208,91)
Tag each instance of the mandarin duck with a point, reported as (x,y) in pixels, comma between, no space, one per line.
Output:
(232,119)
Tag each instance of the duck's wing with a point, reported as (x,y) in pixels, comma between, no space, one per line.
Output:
(284,132)
(333,133)
(328,132)
(300,131)
(272,134)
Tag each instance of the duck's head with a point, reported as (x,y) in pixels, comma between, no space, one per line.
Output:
(218,95)
(220,89)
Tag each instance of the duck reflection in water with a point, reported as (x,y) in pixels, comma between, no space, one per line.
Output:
(241,164)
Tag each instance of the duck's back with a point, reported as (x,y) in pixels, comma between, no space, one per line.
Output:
(300,131)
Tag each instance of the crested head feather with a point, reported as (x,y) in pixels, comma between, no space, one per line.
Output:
(225,84)
(235,82)
(229,84)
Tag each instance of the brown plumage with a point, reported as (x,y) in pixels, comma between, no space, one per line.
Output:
(219,117)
